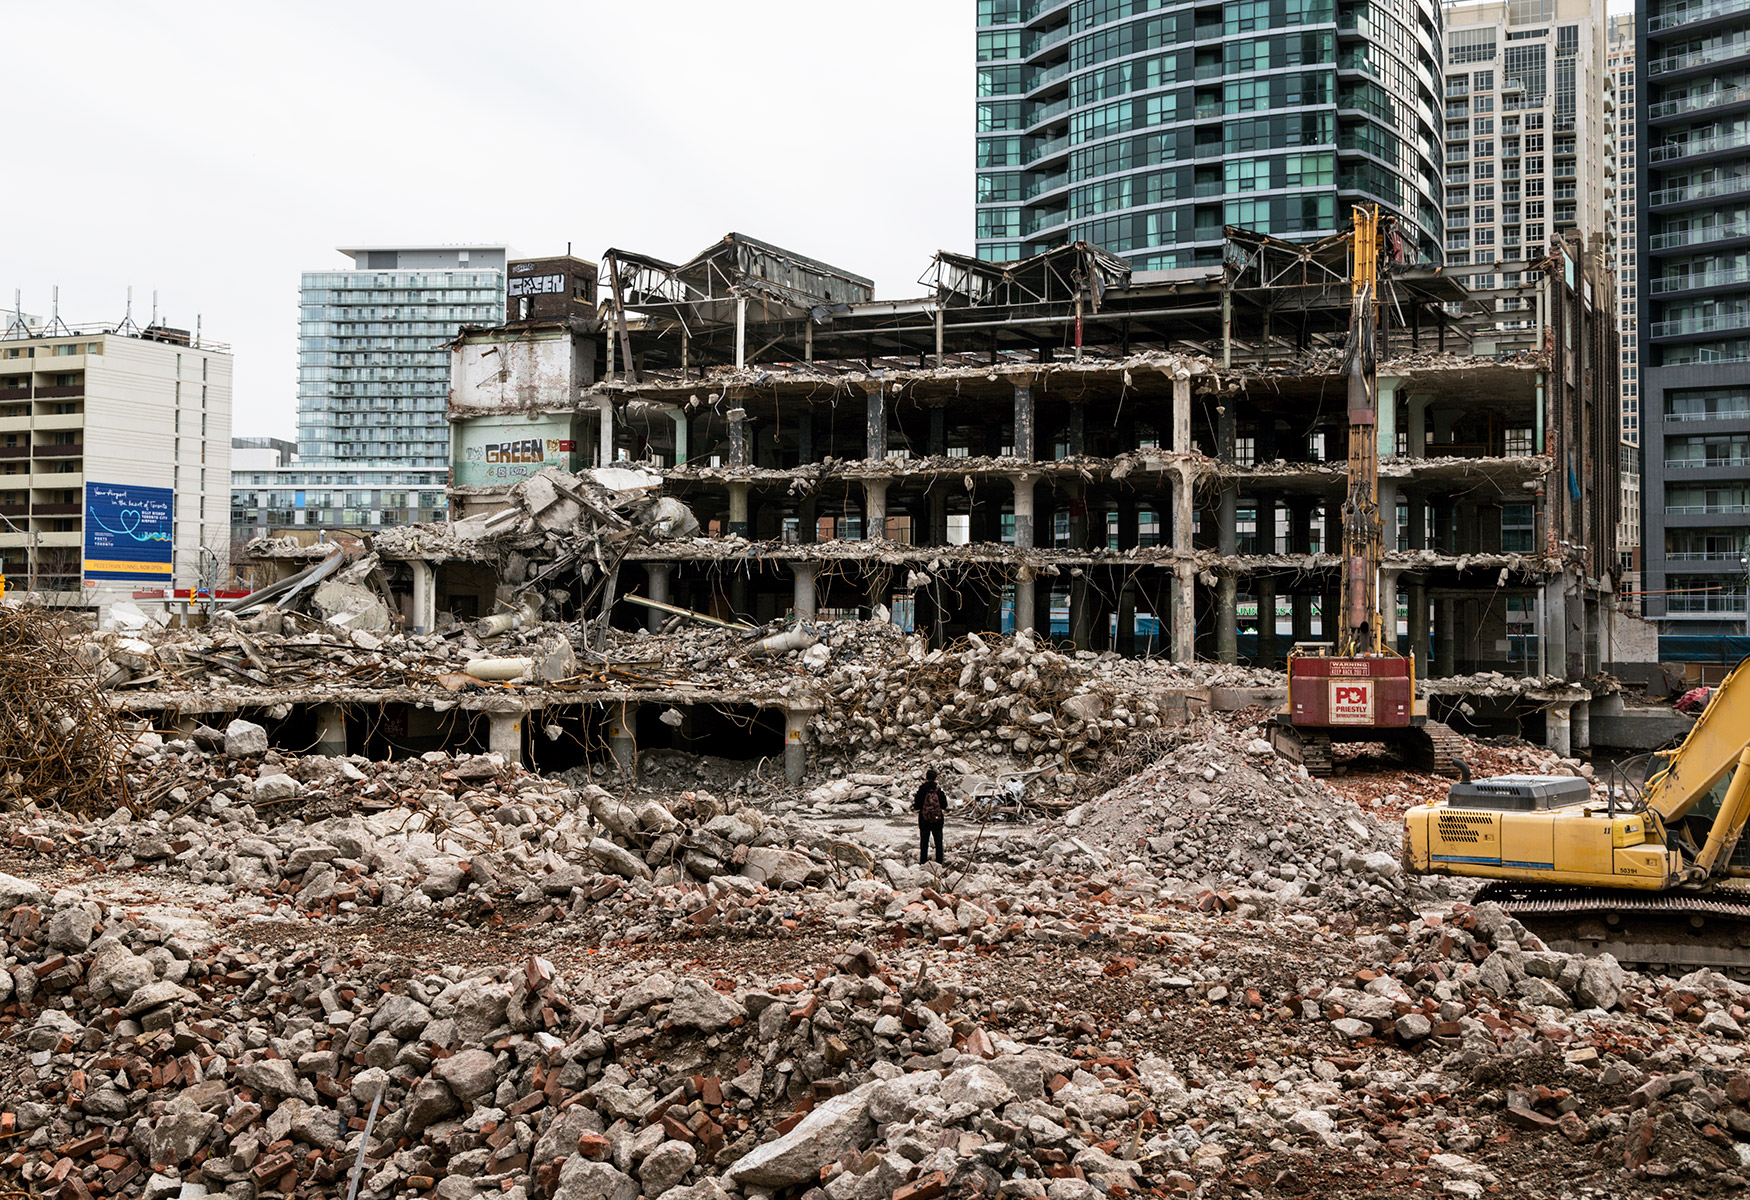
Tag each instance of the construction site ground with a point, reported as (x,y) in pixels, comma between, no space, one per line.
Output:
(1176,965)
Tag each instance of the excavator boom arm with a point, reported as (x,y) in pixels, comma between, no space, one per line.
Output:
(1714,745)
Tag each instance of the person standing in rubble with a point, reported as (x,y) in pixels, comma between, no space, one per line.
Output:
(932,809)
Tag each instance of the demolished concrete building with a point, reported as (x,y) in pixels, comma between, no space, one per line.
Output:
(1146,464)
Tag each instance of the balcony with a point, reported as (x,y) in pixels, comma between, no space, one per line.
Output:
(1691,148)
(1697,280)
(1698,235)
(54,510)
(1736,48)
(1703,555)
(1731,186)
(1683,464)
(1049,113)
(14,510)
(1704,510)
(1045,41)
(1733,414)
(1045,150)
(1047,183)
(1696,10)
(1699,101)
(14,452)
(1704,603)
(58,479)
(1728,322)
(46,450)
(63,392)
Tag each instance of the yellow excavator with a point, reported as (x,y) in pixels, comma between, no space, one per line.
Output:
(1657,877)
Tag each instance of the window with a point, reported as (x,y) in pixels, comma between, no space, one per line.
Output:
(1470,45)
(1483,81)
(1518,528)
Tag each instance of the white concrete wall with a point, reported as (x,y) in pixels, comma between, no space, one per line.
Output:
(159,415)
(517,373)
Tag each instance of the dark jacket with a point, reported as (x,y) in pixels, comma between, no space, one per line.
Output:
(929,802)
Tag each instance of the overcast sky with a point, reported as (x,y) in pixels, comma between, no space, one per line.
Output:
(214,151)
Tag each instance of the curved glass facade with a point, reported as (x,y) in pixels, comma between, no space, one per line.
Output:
(1144,126)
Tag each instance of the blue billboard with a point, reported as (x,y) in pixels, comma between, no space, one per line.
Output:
(129,532)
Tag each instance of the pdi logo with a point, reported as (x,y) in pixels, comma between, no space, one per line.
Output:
(1351,702)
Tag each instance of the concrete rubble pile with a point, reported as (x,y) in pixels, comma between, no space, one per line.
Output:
(1208,981)
(160,1057)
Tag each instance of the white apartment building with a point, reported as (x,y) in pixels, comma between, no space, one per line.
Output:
(1621,58)
(115,462)
(1530,147)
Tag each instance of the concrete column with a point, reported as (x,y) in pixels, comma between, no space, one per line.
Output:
(504,734)
(1300,526)
(1026,591)
(1078,429)
(1182,414)
(1418,604)
(1387,415)
(1330,602)
(805,599)
(741,331)
(738,526)
(331,730)
(1184,613)
(1184,509)
(1555,626)
(1081,611)
(1023,510)
(938,532)
(876,447)
(1227,646)
(1023,443)
(658,573)
(1264,510)
(1388,606)
(1580,721)
(1302,619)
(1388,514)
(874,510)
(1265,589)
(1418,513)
(795,745)
(605,434)
(1558,729)
(938,430)
(1574,617)
(1125,639)
(738,440)
(1445,637)
(623,739)
(1418,426)
(424,596)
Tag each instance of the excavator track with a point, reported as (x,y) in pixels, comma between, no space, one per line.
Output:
(1669,933)
(1310,750)
(1434,749)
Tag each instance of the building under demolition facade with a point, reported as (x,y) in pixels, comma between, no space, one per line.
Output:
(1151,464)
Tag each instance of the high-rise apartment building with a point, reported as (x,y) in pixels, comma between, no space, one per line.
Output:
(1145,126)
(1692,133)
(373,370)
(115,462)
(1530,149)
(1620,51)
